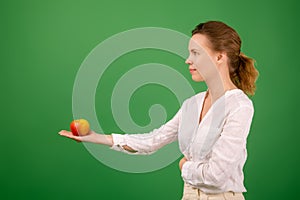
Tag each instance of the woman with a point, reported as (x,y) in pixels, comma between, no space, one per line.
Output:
(212,126)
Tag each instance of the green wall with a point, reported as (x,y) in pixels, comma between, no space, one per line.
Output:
(43,44)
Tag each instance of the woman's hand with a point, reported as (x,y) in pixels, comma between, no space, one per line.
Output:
(85,138)
(181,162)
(90,137)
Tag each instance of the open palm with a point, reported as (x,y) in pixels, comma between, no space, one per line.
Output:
(86,138)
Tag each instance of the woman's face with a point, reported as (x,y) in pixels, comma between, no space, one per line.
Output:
(201,61)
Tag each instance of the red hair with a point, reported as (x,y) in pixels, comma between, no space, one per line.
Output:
(223,38)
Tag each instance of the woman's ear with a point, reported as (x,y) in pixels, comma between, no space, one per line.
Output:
(221,57)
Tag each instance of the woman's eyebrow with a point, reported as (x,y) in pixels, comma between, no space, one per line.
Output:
(197,50)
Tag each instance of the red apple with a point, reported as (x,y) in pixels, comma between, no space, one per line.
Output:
(80,127)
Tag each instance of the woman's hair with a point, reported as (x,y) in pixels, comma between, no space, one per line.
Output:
(223,38)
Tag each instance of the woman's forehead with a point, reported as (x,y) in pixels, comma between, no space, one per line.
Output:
(198,42)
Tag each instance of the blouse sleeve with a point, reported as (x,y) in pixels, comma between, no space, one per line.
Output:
(227,153)
(148,143)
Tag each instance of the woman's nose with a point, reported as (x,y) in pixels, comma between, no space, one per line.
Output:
(187,61)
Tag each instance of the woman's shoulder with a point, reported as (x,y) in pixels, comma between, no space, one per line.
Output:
(237,99)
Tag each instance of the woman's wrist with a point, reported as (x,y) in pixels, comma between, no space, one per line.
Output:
(97,138)
(102,139)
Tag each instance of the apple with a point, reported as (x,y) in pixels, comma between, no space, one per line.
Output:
(80,127)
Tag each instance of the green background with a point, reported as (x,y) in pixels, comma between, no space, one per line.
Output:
(43,44)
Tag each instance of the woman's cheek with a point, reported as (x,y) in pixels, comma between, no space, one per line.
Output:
(198,64)
(204,65)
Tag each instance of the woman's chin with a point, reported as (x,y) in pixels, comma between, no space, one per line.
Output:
(197,79)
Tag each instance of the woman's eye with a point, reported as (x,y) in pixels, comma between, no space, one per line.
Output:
(194,53)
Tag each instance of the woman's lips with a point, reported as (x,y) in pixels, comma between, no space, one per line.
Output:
(192,70)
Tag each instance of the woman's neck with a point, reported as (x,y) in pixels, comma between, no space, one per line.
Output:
(218,86)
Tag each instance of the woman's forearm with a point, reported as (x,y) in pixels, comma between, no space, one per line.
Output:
(108,140)
(101,139)
(92,137)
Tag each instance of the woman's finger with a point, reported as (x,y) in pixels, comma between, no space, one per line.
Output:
(65,133)
(69,134)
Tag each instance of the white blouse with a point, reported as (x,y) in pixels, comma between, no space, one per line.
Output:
(215,148)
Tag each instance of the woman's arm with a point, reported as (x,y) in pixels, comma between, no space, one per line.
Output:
(145,143)
(148,143)
(93,137)
(227,153)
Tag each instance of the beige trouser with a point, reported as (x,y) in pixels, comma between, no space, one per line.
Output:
(192,193)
